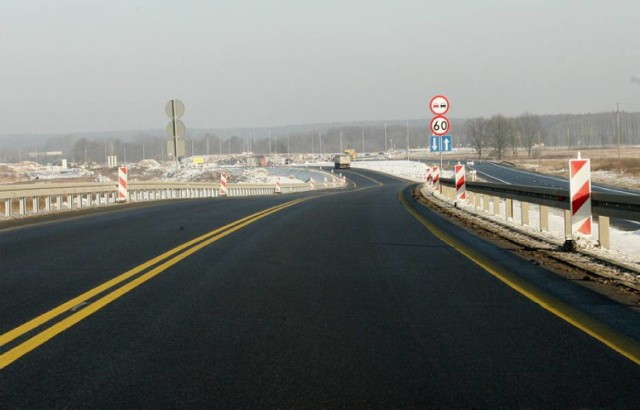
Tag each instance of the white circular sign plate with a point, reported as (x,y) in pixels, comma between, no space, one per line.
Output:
(179,107)
(439,105)
(440,125)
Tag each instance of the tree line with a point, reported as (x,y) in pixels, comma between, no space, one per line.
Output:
(497,137)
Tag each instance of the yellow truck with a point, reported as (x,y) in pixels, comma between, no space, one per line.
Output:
(351,152)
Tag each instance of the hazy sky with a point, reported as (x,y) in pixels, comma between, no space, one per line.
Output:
(83,65)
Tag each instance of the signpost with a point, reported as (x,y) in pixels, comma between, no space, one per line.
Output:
(440,126)
(175,129)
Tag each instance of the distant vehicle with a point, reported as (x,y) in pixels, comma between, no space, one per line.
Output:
(342,161)
(470,162)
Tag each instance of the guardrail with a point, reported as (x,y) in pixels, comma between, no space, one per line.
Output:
(487,195)
(26,199)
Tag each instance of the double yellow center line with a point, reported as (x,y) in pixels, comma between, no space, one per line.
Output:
(161,263)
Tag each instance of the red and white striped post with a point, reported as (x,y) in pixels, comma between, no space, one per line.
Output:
(436,178)
(312,184)
(223,185)
(461,185)
(580,192)
(427,177)
(326,183)
(278,190)
(123,194)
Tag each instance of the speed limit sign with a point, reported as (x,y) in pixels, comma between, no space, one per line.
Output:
(440,125)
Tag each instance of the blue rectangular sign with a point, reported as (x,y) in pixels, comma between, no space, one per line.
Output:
(434,144)
(447,143)
(440,144)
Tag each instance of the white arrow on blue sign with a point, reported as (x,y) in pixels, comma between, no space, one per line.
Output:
(439,144)
(446,143)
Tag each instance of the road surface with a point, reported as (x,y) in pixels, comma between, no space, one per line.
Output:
(352,298)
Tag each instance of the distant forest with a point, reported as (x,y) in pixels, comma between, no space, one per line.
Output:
(495,137)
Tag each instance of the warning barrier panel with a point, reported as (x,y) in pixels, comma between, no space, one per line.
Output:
(580,192)
(122,185)
(461,185)
(223,185)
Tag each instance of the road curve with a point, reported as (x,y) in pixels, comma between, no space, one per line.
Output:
(309,300)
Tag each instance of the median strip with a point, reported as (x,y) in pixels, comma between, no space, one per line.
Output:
(163,262)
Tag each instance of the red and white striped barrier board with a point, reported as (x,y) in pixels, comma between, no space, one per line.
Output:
(312,184)
(326,183)
(428,177)
(580,191)
(461,185)
(436,178)
(223,185)
(122,184)
(278,185)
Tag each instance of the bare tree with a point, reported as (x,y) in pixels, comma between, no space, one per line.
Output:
(476,131)
(530,128)
(499,131)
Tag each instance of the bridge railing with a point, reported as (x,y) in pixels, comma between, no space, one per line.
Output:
(488,196)
(28,199)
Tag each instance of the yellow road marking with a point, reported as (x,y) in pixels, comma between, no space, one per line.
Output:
(618,342)
(191,247)
(369,178)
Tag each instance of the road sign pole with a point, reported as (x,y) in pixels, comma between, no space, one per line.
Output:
(175,135)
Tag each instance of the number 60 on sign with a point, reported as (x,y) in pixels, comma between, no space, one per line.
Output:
(439,125)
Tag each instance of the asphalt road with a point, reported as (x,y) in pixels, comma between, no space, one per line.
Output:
(495,172)
(344,299)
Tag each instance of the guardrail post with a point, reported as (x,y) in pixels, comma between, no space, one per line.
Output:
(567,224)
(485,203)
(509,209)
(23,206)
(35,204)
(8,203)
(47,203)
(496,205)
(544,217)
(603,231)
(524,213)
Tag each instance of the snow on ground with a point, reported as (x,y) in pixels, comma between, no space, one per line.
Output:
(32,171)
(625,245)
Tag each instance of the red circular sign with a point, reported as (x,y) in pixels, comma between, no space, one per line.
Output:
(439,105)
(440,125)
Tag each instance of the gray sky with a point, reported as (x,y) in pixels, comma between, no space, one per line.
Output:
(82,65)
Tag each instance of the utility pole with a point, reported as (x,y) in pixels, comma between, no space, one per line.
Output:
(618,127)
(341,140)
(385,137)
(362,139)
(408,155)
(269,142)
(320,138)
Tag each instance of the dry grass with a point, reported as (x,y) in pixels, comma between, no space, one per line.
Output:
(606,167)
